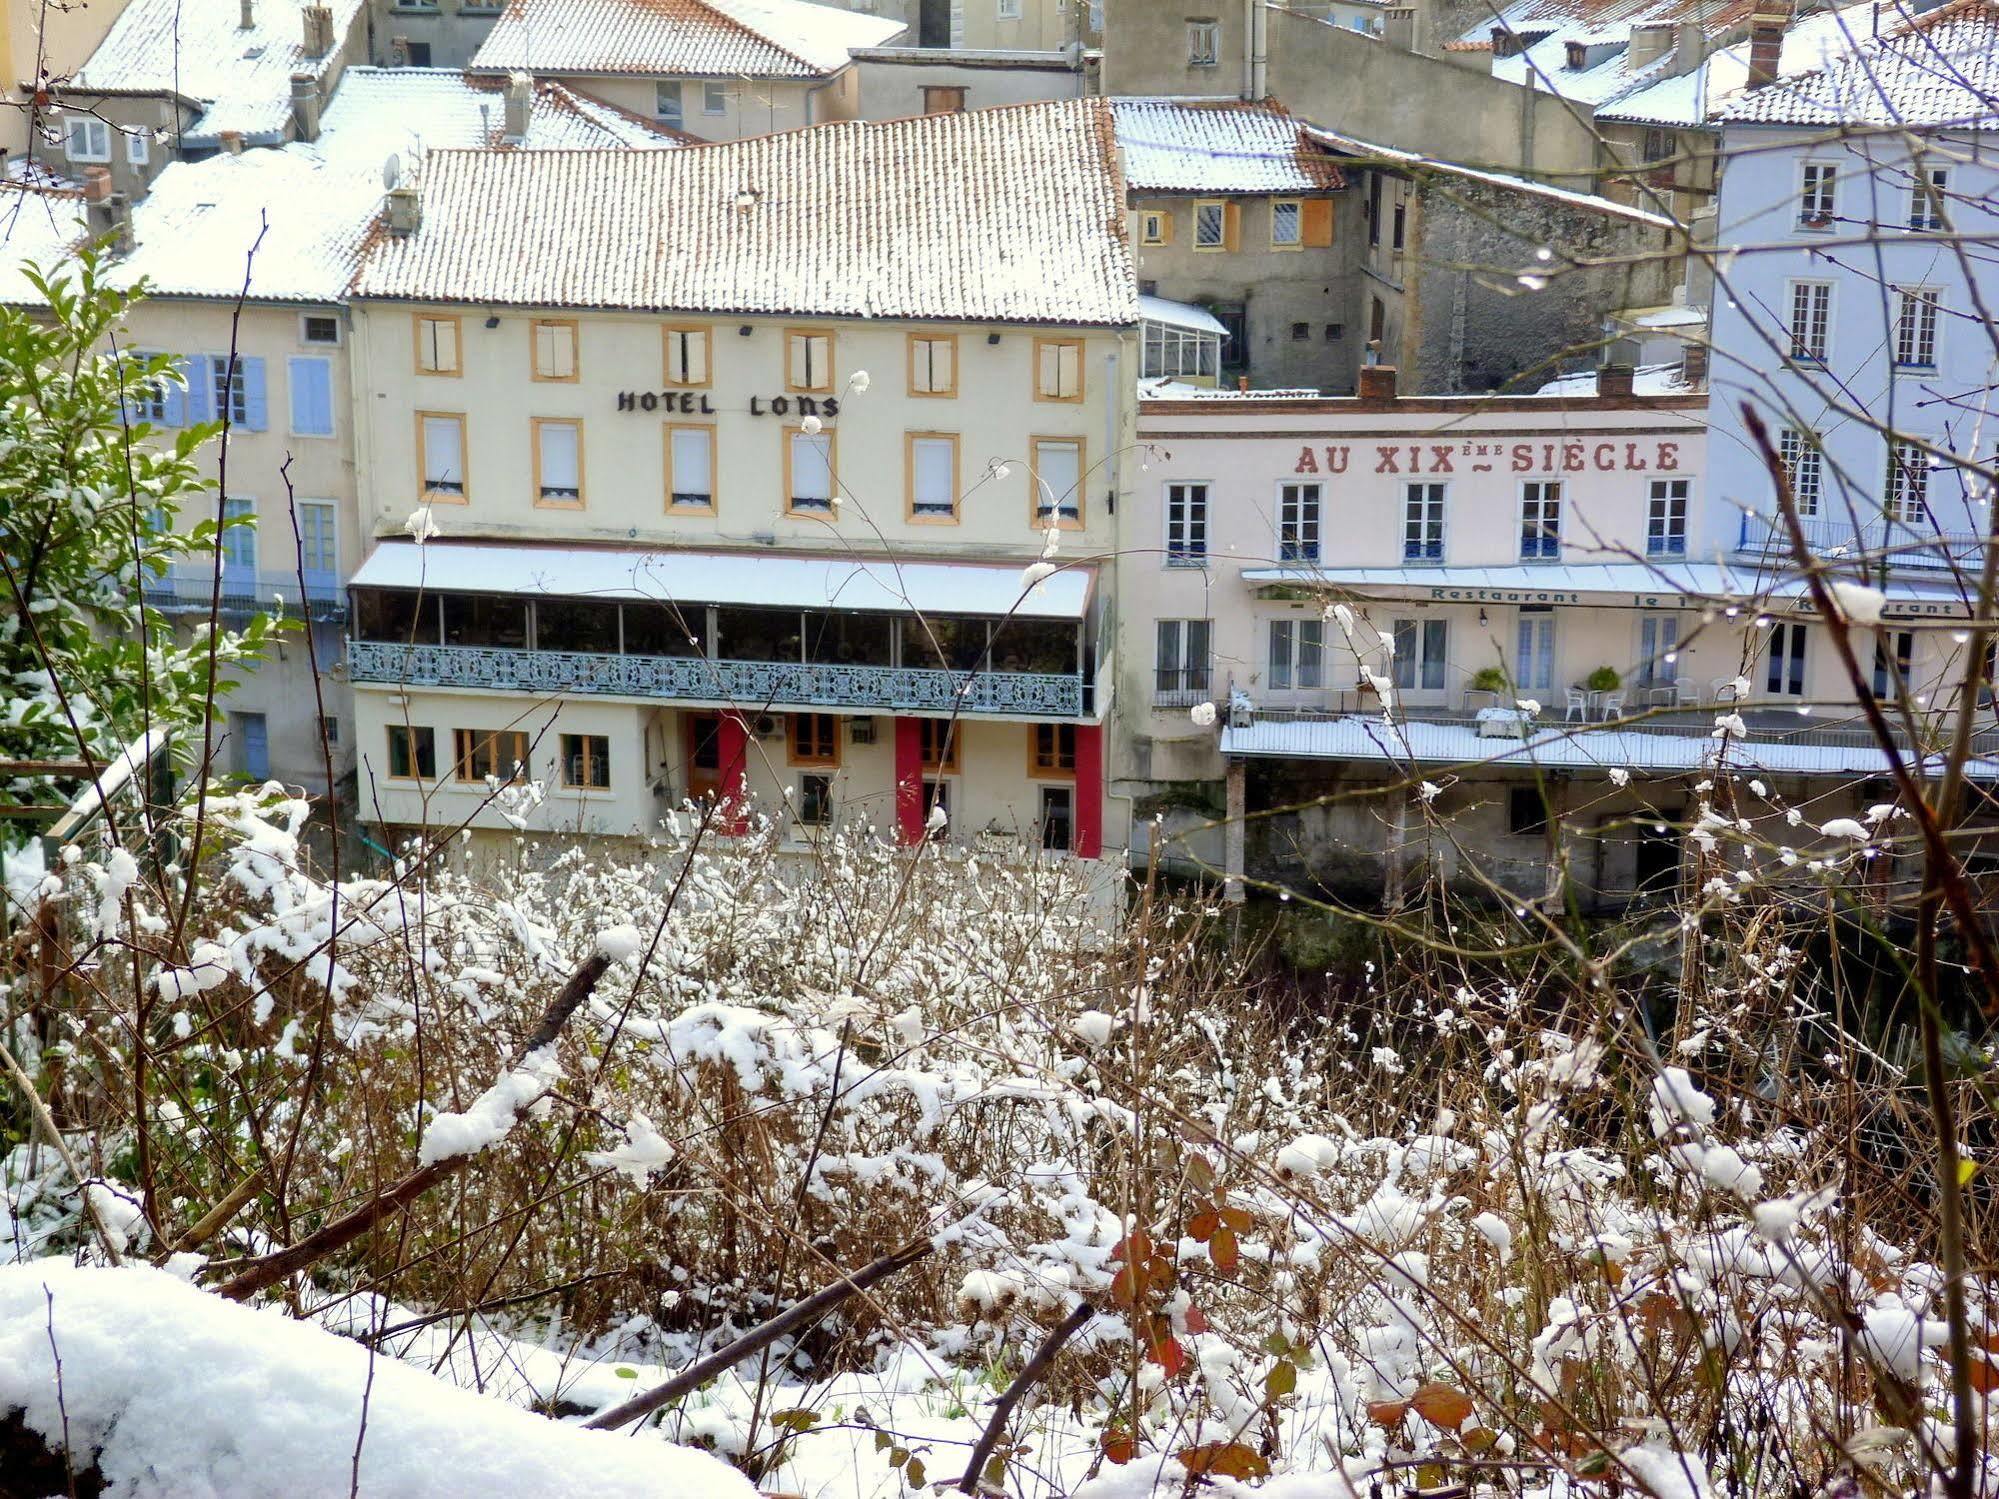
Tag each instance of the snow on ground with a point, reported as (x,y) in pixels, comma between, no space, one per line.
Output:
(188,1395)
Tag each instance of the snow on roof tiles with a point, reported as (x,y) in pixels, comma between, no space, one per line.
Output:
(200,50)
(1181,146)
(698,38)
(1939,69)
(1009,214)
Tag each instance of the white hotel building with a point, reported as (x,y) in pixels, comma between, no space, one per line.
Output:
(737,456)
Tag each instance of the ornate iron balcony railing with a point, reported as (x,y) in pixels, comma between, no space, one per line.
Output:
(884,689)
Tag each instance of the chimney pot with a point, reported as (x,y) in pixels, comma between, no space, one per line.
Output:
(519,101)
(305,106)
(1615,381)
(405,210)
(96,184)
(249,16)
(1693,365)
(1377,382)
(232,142)
(318,22)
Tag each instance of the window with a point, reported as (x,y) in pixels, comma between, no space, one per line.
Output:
(690,468)
(1180,663)
(238,539)
(138,148)
(1155,227)
(1534,669)
(1916,327)
(808,472)
(1009,10)
(1659,146)
(319,329)
(1541,520)
(1058,369)
(1057,478)
(666,103)
(1058,818)
(1373,209)
(1896,646)
(1811,319)
(815,800)
(1658,650)
(1926,198)
(1298,522)
(417,54)
(815,739)
(1666,518)
(932,468)
(1786,666)
(1051,749)
(1166,350)
(586,761)
(1286,224)
(309,379)
(412,753)
(939,99)
(319,540)
(1300,332)
(937,798)
(1526,811)
(1234,318)
(1204,44)
(687,356)
(329,729)
(443,441)
(436,345)
(147,399)
(1399,224)
(933,364)
(1908,486)
(1186,525)
(87,139)
(937,739)
(1211,225)
(232,391)
(479,753)
(1297,654)
(714,98)
(1420,648)
(1423,523)
(1816,201)
(558,462)
(554,348)
(808,360)
(1804,467)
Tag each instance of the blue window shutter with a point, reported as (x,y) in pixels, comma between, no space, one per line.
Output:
(198,402)
(177,396)
(311,384)
(256,409)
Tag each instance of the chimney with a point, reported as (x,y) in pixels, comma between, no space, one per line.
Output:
(519,99)
(1766,44)
(1689,47)
(108,214)
(248,20)
(318,21)
(405,210)
(1649,43)
(1377,382)
(1398,27)
(399,51)
(96,184)
(1693,365)
(1614,382)
(1505,42)
(232,142)
(305,106)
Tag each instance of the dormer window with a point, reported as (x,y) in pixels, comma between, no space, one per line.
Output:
(1578,57)
(1504,42)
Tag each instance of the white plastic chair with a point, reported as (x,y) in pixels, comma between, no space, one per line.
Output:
(1686,693)
(1578,705)
(1613,706)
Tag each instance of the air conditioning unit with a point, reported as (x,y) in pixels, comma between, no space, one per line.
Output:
(860,731)
(768,726)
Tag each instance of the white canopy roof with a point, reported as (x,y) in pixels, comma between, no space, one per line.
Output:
(1179,315)
(771,579)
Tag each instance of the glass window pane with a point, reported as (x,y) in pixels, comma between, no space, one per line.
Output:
(482,619)
(758,634)
(576,625)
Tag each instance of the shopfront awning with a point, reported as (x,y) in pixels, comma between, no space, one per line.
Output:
(766,579)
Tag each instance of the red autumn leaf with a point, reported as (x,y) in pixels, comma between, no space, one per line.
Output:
(1387,1413)
(1118,1447)
(1442,1406)
(1196,1320)
(1132,1248)
(1125,1287)
(1225,1459)
(1169,1355)
(1224,1251)
(1237,1219)
(1202,1225)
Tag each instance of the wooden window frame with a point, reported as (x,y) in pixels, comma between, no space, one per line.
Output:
(1082,371)
(932,89)
(417,320)
(1220,247)
(1163,217)
(909,441)
(415,772)
(927,338)
(535,325)
(832,510)
(1040,769)
(949,732)
(811,760)
(585,739)
(1034,518)
(1276,244)
(536,423)
(832,344)
(431,496)
(465,745)
(714,464)
(707,333)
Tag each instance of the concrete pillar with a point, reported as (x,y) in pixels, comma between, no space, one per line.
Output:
(1395,875)
(909,809)
(1233,831)
(1089,824)
(1555,833)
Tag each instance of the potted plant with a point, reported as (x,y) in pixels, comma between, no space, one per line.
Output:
(1487,683)
(1603,679)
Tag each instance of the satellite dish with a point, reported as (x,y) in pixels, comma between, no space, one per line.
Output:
(392,171)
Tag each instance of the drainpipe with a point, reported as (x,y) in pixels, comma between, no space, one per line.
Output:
(1259,50)
(1248,34)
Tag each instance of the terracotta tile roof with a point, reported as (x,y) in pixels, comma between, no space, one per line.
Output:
(1470,44)
(1937,70)
(1012,214)
(1178,146)
(689,38)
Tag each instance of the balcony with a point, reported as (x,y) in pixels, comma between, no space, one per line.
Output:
(1905,544)
(697,679)
(244,593)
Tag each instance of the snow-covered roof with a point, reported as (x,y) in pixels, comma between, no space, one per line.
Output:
(1179,315)
(1219,146)
(1937,70)
(413,110)
(1166,388)
(1008,214)
(688,38)
(199,50)
(1647,380)
(777,579)
(1368,737)
(38,227)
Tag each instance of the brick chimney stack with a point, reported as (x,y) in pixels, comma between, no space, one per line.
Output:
(1377,382)
(1766,43)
